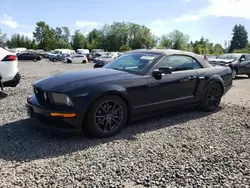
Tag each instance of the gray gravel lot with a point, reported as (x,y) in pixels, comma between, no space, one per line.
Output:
(181,149)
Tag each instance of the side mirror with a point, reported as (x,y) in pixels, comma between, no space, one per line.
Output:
(157,73)
(242,59)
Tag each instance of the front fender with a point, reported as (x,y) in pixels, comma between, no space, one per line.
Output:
(94,92)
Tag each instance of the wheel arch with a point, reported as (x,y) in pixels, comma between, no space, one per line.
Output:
(215,79)
(122,94)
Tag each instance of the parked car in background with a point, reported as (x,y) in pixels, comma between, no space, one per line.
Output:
(40,52)
(18,50)
(9,72)
(239,63)
(29,56)
(139,83)
(65,51)
(79,58)
(211,57)
(103,60)
(97,50)
(82,51)
(48,54)
(95,55)
(59,57)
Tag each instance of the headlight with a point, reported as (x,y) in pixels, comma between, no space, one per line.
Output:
(63,99)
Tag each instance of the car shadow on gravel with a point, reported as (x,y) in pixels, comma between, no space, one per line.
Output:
(23,141)
(3,95)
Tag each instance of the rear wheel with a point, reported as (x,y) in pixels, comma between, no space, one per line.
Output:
(69,61)
(106,116)
(35,59)
(84,61)
(248,75)
(212,98)
(55,60)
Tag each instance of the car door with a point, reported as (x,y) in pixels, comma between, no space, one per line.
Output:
(244,66)
(177,88)
(75,59)
(26,56)
(21,57)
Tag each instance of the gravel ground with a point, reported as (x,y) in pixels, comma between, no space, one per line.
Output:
(181,149)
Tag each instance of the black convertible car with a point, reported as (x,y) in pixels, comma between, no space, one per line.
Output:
(139,83)
(239,63)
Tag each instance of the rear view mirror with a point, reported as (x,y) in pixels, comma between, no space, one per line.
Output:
(157,73)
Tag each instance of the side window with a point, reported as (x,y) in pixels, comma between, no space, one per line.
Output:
(179,63)
(196,64)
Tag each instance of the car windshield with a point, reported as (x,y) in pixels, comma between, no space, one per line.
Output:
(229,56)
(135,63)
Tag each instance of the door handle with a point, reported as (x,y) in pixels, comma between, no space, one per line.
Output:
(192,77)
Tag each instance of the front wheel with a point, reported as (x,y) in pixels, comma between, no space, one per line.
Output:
(212,97)
(106,116)
(54,60)
(84,61)
(35,60)
(248,75)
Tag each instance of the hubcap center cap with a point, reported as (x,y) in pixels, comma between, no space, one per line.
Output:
(109,116)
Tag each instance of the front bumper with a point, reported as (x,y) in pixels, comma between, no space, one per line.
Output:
(14,82)
(42,115)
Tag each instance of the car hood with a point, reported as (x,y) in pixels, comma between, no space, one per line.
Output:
(221,60)
(69,81)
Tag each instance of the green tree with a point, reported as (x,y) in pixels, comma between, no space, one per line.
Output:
(94,39)
(205,46)
(178,40)
(218,49)
(164,41)
(244,50)
(45,36)
(66,34)
(198,49)
(78,40)
(125,48)
(18,40)
(239,39)
(59,33)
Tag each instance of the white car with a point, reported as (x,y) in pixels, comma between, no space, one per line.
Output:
(9,72)
(79,58)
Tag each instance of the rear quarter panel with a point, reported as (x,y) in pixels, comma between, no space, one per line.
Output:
(8,69)
(222,75)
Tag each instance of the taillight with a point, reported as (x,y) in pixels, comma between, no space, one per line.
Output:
(10,58)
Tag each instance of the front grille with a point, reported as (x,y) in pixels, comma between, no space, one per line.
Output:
(44,98)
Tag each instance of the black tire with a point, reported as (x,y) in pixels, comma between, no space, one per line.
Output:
(84,61)
(212,98)
(55,60)
(69,61)
(234,73)
(35,60)
(97,125)
(248,75)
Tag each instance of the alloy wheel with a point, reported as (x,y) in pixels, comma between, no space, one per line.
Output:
(108,116)
(214,95)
